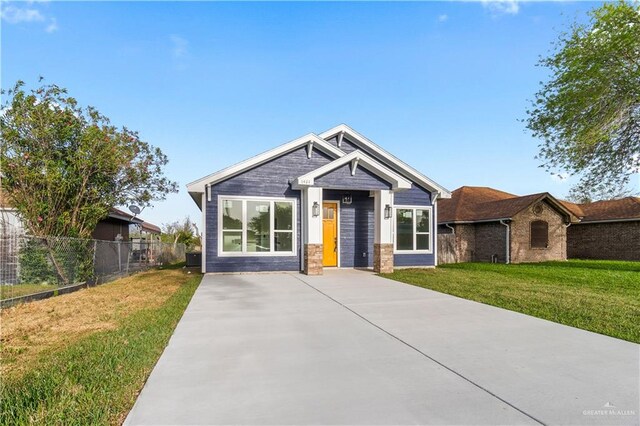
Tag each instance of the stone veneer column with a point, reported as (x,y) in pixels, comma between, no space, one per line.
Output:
(383,258)
(313,259)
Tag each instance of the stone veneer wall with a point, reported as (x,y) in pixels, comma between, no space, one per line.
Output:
(521,250)
(383,258)
(313,259)
(609,241)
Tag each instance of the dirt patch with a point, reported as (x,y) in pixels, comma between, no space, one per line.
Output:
(29,329)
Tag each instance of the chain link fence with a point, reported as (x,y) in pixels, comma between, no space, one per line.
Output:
(31,265)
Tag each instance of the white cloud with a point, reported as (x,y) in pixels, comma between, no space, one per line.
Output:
(180,46)
(53,25)
(16,15)
(501,7)
(13,14)
(443,17)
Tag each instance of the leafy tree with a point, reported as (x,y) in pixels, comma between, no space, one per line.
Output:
(582,195)
(588,113)
(64,166)
(185,232)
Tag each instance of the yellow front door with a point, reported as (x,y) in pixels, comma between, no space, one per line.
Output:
(329,234)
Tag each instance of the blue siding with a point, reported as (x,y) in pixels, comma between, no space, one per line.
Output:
(346,145)
(269,180)
(356,228)
(341,178)
(416,196)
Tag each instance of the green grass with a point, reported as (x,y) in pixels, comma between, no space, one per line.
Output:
(599,296)
(95,380)
(9,291)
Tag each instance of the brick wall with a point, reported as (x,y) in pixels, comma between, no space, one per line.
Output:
(521,250)
(490,239)
(612,241)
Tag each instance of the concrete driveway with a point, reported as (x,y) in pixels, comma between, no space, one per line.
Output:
(353,348)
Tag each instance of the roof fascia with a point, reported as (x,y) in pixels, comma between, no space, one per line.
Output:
(466,222)
(363,141)
(588,222)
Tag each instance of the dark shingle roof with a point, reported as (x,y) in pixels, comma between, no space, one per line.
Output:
(476,203)
(623,209)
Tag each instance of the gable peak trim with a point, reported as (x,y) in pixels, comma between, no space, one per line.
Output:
(386,157)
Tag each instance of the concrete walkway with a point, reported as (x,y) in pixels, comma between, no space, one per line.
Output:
(353,348)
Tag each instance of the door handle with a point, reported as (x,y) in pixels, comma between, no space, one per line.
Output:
(335,244)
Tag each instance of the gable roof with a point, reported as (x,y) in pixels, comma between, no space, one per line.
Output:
(198,186)
(387,158)
(483,204)
(605,211)
(313,141)
(358,159)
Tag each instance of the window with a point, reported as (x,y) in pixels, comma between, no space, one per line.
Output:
(539,234)
(256,226)
(413,229)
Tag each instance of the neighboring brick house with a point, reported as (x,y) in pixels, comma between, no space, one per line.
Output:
(607,230)
(480,224)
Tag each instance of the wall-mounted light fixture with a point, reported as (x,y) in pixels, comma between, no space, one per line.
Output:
(387,211)
(315,210)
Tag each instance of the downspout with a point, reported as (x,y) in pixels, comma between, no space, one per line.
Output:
(453,230)
(566,240)
(508,246)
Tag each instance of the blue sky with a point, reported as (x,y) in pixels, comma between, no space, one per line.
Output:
(441,85)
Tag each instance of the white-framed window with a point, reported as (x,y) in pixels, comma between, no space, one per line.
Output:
(413,229)
(256,226)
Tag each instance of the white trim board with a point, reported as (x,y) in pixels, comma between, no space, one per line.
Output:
(272,231)
(432,241)
(362,160)
(387,157)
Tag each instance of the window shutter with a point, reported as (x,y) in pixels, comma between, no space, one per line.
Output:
(539,234)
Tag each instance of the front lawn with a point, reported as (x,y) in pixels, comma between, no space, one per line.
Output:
(82,358)
(599,296)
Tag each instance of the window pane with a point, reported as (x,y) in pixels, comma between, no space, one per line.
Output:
(422,220)
(404,229)
(328,213)
(258,226)
(422,241)
(231,214)
(231,241)
(283,219)
(284,241)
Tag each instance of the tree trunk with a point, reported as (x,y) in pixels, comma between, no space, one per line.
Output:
(59,270)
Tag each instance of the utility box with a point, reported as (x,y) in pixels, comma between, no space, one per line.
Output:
(194,259)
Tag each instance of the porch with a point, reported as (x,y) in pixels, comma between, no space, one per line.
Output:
(343,228)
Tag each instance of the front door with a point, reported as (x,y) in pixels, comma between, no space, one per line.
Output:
(330,234)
